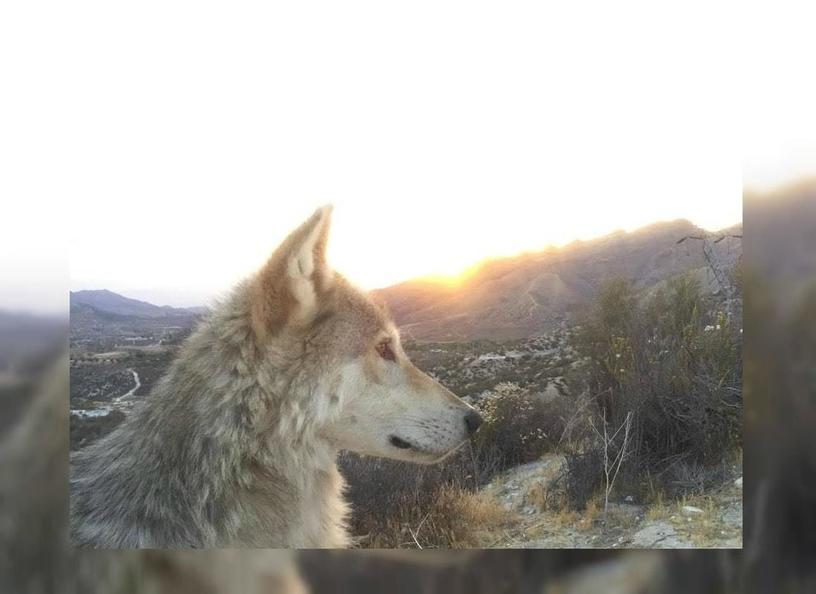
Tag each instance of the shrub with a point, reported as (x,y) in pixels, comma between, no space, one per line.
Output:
(519,426)
(583,477)
(86,430)
(675,362)
(459,519)
(398,505)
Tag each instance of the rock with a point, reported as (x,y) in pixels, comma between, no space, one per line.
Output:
(738,483)
(513,487)
(659,535)
(690,510)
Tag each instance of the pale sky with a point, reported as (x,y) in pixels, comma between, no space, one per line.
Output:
(172,145)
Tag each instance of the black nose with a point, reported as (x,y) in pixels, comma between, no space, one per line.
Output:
(473,421)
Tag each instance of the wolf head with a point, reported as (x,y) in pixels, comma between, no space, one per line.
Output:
(349,359)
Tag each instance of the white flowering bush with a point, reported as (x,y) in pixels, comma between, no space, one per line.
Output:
(519,426)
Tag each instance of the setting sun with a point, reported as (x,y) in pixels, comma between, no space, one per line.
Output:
(373,245)
(435,156)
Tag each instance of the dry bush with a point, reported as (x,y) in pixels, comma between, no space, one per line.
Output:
(451,518)
(387,497)
(460,519)
(380,491)
(519,426)
(675,362)
(584,476)
(84,431)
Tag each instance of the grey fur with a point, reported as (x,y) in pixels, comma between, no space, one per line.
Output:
(236,445)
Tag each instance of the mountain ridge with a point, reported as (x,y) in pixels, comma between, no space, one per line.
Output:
(529,294)
(105,301)
(509,297)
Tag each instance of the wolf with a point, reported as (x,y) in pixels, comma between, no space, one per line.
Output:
(35,556)
(236,445)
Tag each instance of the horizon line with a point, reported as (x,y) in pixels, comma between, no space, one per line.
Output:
(439,278)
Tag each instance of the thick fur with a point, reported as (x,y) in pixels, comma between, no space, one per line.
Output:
(236,444)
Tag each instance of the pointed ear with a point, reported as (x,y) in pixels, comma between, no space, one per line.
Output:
(287,288)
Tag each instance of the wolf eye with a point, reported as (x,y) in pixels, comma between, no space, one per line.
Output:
(385,351)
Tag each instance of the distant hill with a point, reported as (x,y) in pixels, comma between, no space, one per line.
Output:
(531,293)
(103,320)
(502,299)
(108,302)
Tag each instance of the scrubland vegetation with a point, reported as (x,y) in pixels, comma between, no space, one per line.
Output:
(637,401)
(642,399)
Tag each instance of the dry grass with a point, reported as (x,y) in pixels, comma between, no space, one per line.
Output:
(594,508)
(656,512)
(540,497)
(457,518)
(658,509)
(552,504)
(704,528)
(559,513)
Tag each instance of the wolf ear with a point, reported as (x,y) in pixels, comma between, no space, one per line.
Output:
(287,288)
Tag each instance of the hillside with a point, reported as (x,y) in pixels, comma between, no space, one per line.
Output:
(502,299)
(103,320)
(532,293)
(105,301)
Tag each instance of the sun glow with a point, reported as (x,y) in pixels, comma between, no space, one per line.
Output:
(446,247)
(443,135)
